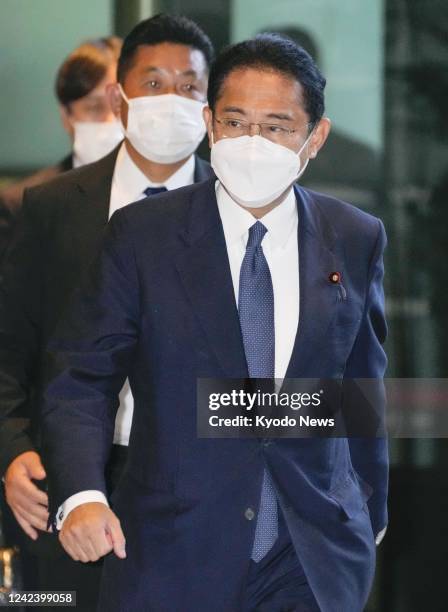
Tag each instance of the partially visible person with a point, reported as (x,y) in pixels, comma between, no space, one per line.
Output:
(163,73)
(86,115)
(81,88)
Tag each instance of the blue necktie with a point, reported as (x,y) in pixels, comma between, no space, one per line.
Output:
(149,191)
(256,313)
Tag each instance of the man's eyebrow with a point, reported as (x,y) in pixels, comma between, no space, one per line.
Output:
(151,69)
(280,116)
(188,72)
(233,109)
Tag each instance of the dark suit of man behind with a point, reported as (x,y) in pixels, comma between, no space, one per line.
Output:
(160,308)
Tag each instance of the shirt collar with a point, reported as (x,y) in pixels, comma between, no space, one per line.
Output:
(182,177)
(280,222)
(76,163)
(129,179)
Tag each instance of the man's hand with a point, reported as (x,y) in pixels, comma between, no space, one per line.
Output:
(91,531)
(28,503)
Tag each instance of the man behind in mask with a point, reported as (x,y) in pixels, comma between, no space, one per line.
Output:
(163,70)
(84,106)
(205,284)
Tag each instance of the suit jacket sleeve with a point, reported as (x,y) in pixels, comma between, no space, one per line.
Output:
(88,361)
(20,315)
(368,360)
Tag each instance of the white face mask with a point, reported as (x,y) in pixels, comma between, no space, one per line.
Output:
(254,170)
(165,128)
(95,139)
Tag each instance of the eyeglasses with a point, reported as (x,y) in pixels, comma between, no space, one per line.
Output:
(232,128)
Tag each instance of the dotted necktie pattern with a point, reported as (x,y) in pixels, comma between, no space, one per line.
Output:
(256,313)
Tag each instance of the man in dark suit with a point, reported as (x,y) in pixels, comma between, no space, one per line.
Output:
(61,227)
(81,89)
(204,283)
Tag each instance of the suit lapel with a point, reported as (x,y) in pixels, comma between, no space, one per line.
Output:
(95,185)
(203,265)
(86,209)
(318,296)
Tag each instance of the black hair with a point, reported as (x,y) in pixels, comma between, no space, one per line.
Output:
(272,51)
(302,37)
(85,68)
(160,29)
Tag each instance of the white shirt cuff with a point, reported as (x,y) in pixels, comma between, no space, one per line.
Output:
(84,497)
(380,536)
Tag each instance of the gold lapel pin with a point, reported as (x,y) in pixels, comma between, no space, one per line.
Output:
(335,277)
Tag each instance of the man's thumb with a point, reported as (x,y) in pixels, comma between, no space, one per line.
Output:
(117,537)
(36,469)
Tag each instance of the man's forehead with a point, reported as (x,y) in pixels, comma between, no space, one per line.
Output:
(262,82)
(172,58)
(244,87)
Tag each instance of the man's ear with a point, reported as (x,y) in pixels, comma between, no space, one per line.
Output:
(64,114)
(208,118)
(320,135)
(115,99)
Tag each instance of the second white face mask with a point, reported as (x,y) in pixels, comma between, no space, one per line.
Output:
(165,128)
(254,170)
(95,139)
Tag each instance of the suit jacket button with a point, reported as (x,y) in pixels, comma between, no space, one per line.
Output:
(249,514)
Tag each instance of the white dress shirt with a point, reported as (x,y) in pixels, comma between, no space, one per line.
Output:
(128,185)
(129,182)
